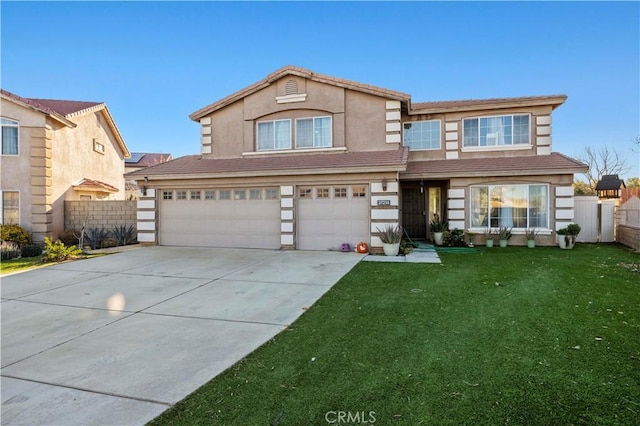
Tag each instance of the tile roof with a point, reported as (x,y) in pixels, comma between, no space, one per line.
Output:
(94,185)
(555,163)
(466,104)
(63,111)
(65,108)
(301,72)
(343,162)
(146,159)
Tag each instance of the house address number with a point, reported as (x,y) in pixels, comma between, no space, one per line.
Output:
(384,202)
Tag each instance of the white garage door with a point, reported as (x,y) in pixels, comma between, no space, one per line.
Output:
(329,216)
(244,218)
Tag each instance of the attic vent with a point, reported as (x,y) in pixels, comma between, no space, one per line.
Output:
(291,88)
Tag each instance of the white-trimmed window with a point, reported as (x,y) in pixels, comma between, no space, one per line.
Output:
(225,194)
(195,195)
(517,206)
(359,192)
(255,194)
(167,195)
(305,193)
(496,131)
(210,194)
(10,207)
(273,135)
(270,194)
(10,131)
(421,135)
(340,193)
(98,147)
(240,194)
(181,195)
(322,192)
(313,132)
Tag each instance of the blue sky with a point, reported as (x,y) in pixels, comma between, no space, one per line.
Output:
(154,63)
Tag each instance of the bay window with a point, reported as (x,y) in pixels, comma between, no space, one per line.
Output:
(517,206)
(504,130)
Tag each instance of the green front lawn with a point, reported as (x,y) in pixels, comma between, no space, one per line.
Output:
(511,336)
(21,264)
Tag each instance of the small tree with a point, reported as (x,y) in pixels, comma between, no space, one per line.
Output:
(603,161)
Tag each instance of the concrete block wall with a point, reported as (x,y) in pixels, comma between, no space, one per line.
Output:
(99,214)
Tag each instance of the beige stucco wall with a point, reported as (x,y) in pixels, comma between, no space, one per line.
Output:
(458,117)
(358,119)
(15,170)
(74,158)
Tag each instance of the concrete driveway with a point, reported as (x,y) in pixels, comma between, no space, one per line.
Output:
(119,339)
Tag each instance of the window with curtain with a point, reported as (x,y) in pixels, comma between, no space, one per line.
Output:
(313,132)
(517,206)
(504,130)
(9,136)
(273,135)
(10,208)
(421,135)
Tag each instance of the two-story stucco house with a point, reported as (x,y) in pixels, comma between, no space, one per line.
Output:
(56,150)
(306,161)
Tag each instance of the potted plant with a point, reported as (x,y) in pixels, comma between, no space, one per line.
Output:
(437,227)
(504,234)
(531,237)
(567,236)
(488,237)
(390,236)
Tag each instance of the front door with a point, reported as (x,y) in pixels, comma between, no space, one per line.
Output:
(414,218)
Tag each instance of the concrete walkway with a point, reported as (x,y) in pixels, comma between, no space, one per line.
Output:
(119,339)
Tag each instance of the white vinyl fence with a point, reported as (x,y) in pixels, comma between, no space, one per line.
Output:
(597,219)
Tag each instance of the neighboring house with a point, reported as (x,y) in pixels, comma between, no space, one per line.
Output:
(137,161)
(301,160)
(56,150)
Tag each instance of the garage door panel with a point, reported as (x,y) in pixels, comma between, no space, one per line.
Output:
(220,223)
(327,223)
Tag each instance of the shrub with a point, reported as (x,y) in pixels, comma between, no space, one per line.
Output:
(9,250)
(69,237)
(57,252)
(454,238)
(125,235)
(95,237)
(15,233)
(31,250)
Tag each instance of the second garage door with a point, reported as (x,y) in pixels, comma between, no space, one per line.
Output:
(329,216)
(242,218)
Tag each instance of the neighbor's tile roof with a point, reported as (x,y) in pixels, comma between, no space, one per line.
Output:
(63,111)
(94,185)
(146,159)
(555,163)
(301,72)
(340,162)
(466,104)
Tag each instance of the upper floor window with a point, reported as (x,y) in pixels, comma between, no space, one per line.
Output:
(313,132)
(274,135)
(9,136)
(503,130)
(421,135)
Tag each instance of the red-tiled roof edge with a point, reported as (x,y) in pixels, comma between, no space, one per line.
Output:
(27,102)
(302,72)
(67,108)
(92,183)
(577,162)
(435,106)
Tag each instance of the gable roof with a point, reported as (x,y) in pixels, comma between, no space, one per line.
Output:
(300,72)
(63,111)
(554,163)
(609,183)
(291,164)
